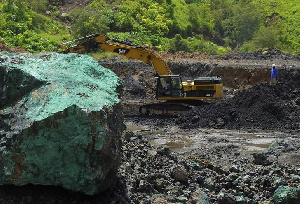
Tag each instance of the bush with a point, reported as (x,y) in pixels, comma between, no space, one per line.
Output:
(264,38)
(180,44)
(198,44)
(87,23)
(22,27)
(39,6)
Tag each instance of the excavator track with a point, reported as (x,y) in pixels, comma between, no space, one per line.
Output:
(171,109)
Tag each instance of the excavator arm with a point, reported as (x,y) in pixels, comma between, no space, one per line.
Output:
(169,88)
(102,42)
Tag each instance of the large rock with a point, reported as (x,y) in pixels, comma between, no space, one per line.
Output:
(60,122)
(286,195)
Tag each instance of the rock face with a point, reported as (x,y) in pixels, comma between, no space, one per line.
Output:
(60,122)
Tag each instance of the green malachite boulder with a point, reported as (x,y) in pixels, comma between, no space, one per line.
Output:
(287,194)
(60,121)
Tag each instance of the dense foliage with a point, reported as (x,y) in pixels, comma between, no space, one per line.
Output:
(34,32)
(209,26)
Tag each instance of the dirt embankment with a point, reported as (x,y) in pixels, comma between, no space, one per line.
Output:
(238,71)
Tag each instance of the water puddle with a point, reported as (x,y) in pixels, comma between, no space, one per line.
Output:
(182,141)
(258,144)
(178,144)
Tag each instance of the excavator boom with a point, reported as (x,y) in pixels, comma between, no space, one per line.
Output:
(102,42)
(169,87)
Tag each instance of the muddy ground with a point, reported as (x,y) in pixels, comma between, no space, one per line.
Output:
(250,133)
(241,149)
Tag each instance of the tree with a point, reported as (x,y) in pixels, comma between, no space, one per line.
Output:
(20,26)
(39,6)
(16,18)
(92,19)
(180,44)
(265,37)
(243,23)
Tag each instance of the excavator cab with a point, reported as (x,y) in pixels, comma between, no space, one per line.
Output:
(169,86)
(170,89)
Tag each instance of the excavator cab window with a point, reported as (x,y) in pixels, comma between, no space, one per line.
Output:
(169,86)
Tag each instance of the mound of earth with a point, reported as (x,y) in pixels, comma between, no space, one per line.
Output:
(261,107)
(216,173)
(262,55)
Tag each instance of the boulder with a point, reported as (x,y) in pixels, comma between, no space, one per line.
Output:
(179,173)
(286,195)
(60,122)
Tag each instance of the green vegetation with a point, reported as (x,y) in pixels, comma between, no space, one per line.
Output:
(34,32)
(208,26)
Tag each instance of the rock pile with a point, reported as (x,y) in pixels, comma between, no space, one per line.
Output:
(218,175)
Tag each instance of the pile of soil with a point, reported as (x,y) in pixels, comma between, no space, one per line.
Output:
(263,58)
(262,107)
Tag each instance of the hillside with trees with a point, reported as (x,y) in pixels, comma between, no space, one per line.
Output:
(207,26)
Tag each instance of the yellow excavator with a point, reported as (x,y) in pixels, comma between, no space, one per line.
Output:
(170,88)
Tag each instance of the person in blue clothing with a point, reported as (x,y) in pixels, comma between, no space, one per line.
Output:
(274,73)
